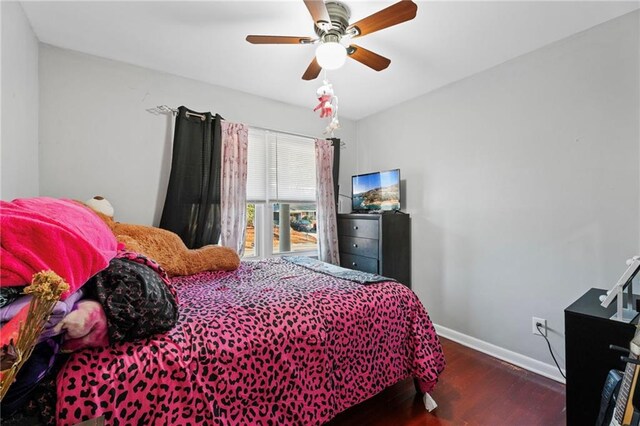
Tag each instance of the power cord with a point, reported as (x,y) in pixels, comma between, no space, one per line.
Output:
(538,325)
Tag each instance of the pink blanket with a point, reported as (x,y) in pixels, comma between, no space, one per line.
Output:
(45,233)
(269,343)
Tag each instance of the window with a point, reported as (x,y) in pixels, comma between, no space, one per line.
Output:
(301,224)
(281,192)
(250,240)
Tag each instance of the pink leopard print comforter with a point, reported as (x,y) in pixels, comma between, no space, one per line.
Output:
(270,343)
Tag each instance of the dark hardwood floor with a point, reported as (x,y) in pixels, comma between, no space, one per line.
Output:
(475,389)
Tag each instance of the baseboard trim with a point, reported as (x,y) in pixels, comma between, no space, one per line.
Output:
(533,365)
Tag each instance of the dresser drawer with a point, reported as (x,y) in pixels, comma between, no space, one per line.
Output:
(364,228)
(360,263)
(359,246)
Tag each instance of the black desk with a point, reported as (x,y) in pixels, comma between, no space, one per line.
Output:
(588,334)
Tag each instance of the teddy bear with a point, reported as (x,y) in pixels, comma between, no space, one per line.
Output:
(165,247)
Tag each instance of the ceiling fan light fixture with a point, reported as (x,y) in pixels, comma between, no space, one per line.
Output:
(331,55)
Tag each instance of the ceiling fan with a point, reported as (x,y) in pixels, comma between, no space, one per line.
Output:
(332,25)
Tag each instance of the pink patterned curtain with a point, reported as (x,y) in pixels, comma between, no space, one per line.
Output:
(233,197)
(326,207)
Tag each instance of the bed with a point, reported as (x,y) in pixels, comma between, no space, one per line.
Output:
(270,343)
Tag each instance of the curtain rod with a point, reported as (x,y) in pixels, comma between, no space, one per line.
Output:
(281,131)
(164,108)
(292,134)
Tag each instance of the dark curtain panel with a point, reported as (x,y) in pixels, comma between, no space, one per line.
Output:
(192,206)
(336,168)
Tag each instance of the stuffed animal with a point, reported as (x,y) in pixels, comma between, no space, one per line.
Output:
(85,327)
(166,247)
(325,96)
(328,107)
(333,125)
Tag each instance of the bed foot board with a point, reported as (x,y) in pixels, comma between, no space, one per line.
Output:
(429,402)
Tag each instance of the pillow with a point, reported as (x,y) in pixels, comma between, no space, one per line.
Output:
(136,301)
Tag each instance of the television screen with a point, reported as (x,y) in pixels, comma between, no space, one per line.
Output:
(376,191)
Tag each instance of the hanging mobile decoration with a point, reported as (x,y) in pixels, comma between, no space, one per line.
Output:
(328,106)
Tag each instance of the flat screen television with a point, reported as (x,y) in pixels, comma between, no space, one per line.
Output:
(378,191)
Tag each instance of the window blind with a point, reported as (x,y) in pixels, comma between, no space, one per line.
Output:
(256,166)
(280,168)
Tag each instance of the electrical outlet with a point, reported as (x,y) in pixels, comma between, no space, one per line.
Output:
(543,327)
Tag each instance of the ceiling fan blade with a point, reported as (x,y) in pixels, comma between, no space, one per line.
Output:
(367,57)
(313,70)
(398,13)
(319,13)
(265,39)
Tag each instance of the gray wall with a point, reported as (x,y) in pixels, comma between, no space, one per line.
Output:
(98,139)
(19,147)
(523,181)
(523,184)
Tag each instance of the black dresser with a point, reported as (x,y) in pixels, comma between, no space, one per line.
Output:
(588,332)
(376,243)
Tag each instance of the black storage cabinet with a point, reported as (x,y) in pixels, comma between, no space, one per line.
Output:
(588,333)
(376,243)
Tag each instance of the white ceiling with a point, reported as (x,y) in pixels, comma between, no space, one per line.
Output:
(447,41)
